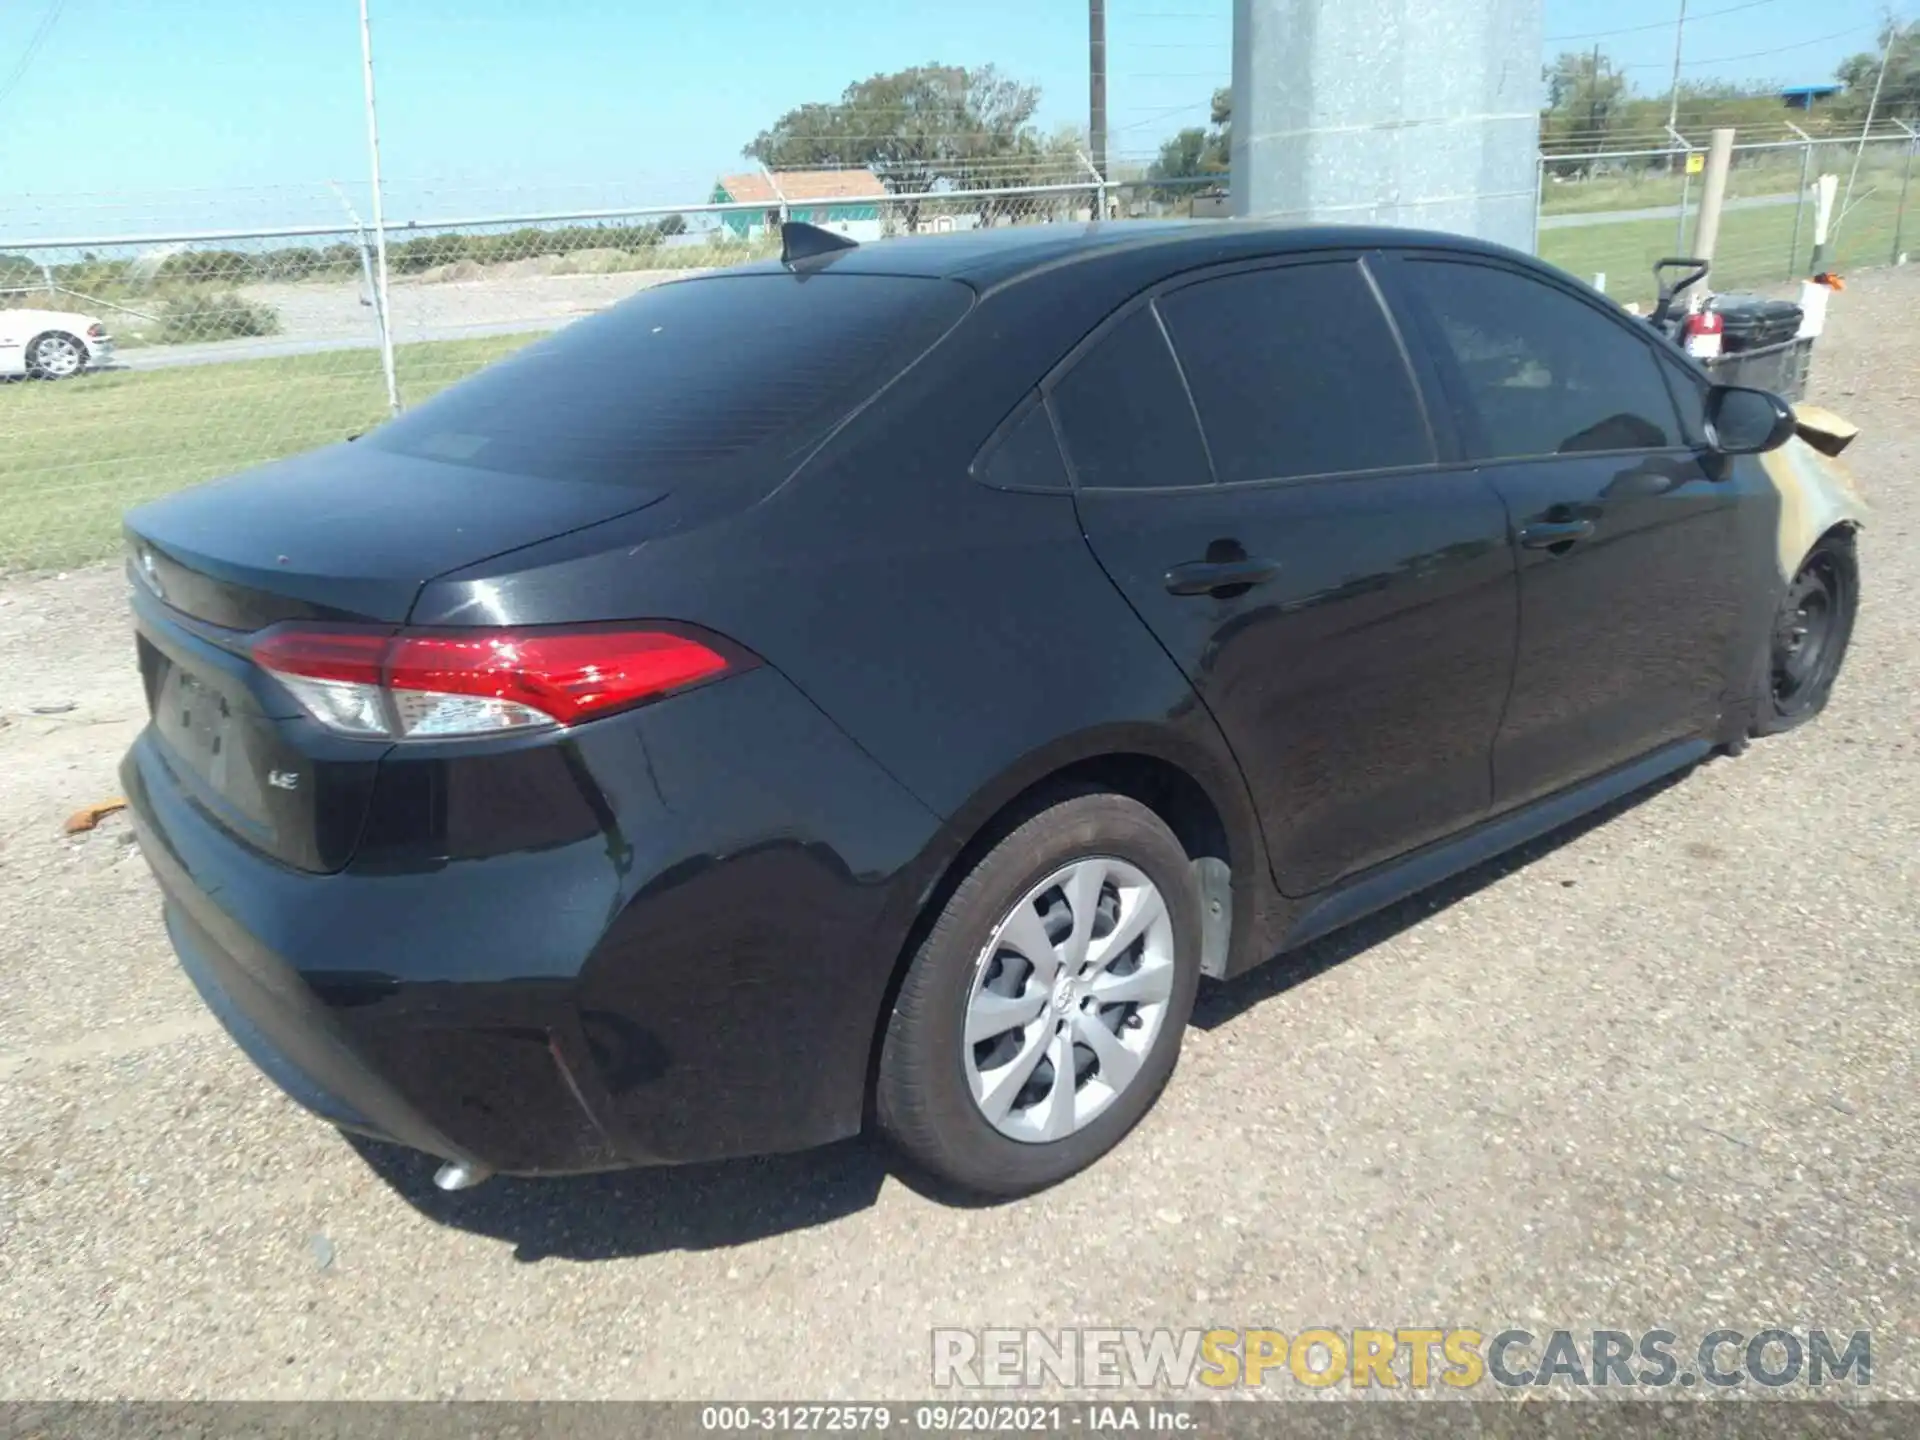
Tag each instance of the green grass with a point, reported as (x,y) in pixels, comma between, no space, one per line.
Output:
(1769,173)
(1642,190)
(76,453)
(1753,249)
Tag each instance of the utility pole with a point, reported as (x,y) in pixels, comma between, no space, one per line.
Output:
(1673,90)
(379,218)
(1594,137)
(1097,84)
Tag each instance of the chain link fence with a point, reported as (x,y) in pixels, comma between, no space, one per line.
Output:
(181,354)
(201,352)
(1613,213)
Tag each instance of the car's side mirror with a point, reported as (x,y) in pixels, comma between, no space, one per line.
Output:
(1744,421)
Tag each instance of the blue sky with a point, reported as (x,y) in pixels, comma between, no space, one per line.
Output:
(131,113)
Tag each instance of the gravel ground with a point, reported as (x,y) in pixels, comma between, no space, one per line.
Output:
(1658,1071)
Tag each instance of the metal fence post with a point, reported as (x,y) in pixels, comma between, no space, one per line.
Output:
(376,298)
(1099,186)
(1800,199)
(1539,197)
(779,195)
(1906,179)
(379,215)
(1686,188)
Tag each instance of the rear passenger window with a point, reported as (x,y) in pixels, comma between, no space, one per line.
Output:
(1027,457)
(1124,414)
(682,382)
(1545,374)
(1295,371)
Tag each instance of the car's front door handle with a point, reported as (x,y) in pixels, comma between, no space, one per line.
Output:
(1555,534)
(1208,577)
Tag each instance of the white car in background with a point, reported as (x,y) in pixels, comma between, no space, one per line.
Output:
(51,344)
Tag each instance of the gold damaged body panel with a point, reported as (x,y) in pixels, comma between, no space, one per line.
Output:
(1817,491)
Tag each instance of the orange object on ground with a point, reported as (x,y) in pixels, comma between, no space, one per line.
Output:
(83,820)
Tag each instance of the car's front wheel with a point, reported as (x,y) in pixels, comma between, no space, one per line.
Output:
(1041,1017)
(1811,631)
(56,356)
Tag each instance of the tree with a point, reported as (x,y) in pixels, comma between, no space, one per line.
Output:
(1223,115)
(914,129)
(1900,95)
(1195,153)
(1585,93)
(1182,156)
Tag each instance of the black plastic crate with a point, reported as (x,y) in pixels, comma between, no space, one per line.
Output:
(1781,368)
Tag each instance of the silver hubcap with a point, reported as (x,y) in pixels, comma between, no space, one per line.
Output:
(1068,998)
(58,355)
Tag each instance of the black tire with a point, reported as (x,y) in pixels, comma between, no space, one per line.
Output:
(38,369)
(922,1099)
(1807,643)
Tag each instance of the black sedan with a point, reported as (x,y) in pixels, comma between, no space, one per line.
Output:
(874,687)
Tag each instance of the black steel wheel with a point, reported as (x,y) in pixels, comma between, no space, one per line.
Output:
(1810,634)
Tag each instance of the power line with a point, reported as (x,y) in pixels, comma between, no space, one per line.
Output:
(38,39)
(1656,25)
(1756,54)
(1159,116)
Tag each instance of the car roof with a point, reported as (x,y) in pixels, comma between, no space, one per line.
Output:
(987,259)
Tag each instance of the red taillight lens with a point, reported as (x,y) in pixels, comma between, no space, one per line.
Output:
(444,683)
(97,330)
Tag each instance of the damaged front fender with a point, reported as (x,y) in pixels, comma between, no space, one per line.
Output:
(1817,490)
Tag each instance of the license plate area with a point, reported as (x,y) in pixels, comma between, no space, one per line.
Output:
(240,749)
(213,734)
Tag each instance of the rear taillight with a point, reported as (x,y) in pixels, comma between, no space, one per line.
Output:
(437,684)
(97,330)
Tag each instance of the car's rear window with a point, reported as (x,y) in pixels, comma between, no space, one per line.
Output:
(684,377)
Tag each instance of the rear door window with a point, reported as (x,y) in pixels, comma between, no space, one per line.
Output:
(1542,372)
(1124,413)
(1296,371)
(1026,456)
(685,378)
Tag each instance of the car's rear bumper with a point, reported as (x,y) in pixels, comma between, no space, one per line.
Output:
(424,1064)
(283,1029)
(700,980)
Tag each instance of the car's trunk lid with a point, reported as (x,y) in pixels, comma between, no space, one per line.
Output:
(349,532)
(345,534)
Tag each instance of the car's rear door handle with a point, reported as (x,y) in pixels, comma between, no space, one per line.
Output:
(1205,577)
(1549,534)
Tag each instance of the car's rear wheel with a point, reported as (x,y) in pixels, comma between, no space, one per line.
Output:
(1811,631)
(1041,1017)
(56,356)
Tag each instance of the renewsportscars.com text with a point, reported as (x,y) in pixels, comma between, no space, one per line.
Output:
(1417,1358)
